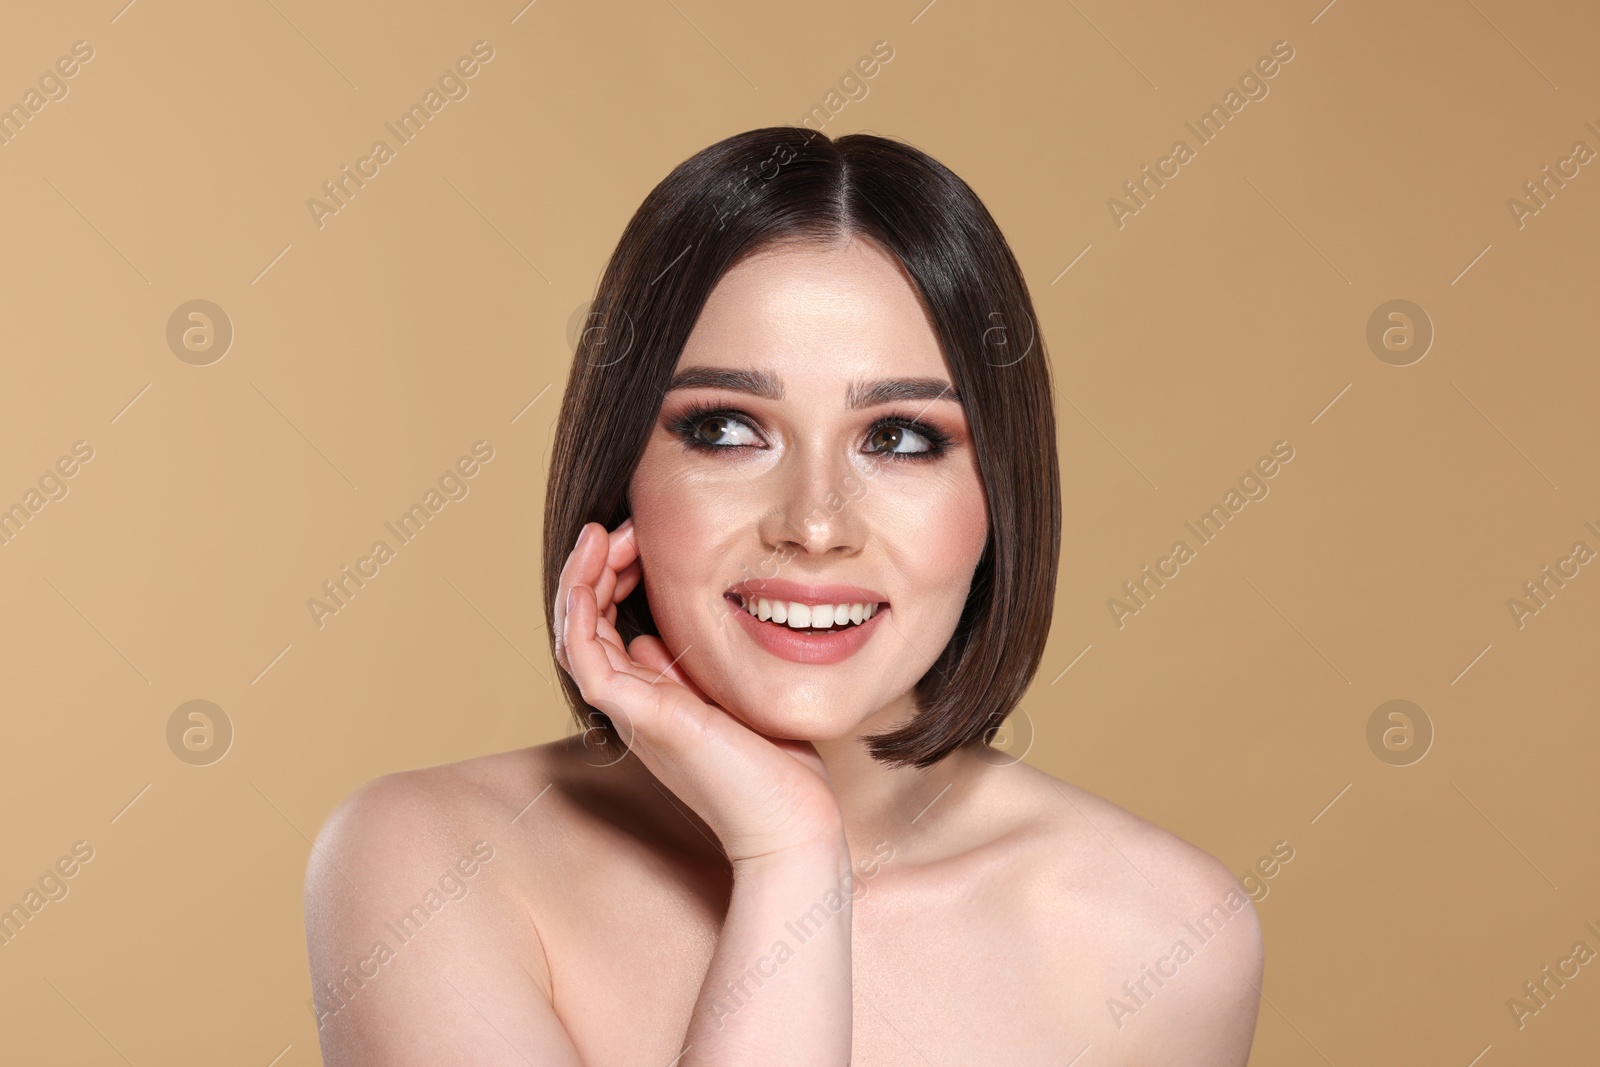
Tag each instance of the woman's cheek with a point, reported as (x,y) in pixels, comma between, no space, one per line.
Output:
(666,507)
(952,514)
(971,512)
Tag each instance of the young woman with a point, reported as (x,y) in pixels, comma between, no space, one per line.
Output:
(801,538)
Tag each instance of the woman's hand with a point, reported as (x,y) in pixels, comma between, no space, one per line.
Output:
(763,797)
(769,802)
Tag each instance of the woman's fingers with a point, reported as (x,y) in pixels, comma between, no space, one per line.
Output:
(573,573)
(598,655)
(622,553)
(612,573)
(616,648)
(605,587)
(594,665)
(625,582)
(628,579)
(650,652)
(647,716)
(623,548)
(597,568)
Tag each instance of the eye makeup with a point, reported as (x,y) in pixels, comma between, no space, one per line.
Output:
(686,426)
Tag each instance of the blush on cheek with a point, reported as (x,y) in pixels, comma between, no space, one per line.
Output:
(671,505)
(960,529)
(972,534)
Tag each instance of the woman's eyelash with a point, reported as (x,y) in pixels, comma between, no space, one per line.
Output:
(685,425)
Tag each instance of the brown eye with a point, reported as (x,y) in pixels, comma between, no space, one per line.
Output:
(713,430)
(885,438)
(709,430)
(889,437)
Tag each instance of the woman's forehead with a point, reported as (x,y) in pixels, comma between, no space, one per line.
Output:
(839,311)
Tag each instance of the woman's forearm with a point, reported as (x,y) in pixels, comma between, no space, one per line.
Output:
(778,987)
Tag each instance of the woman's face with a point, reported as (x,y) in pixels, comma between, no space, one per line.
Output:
(810,438)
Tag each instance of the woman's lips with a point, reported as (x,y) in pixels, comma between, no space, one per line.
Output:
(800,646)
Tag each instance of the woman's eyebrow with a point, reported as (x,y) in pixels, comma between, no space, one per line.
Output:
(889,390)
(757,382)
(862,394)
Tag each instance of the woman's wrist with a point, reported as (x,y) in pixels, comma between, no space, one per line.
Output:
(826,855)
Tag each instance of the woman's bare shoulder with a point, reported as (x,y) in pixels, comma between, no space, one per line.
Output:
(492,796)
(407,827)
(431,866)
(1112,846)
(1125,902)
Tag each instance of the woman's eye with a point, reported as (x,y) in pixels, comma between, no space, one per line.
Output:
(891,439)
(708,431)
(717,431)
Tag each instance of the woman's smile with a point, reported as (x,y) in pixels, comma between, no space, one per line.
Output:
(814,624)
(806,606)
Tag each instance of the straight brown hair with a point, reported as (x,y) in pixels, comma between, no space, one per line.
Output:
(788,183)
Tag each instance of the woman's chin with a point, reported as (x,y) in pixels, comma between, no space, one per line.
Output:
(801,723)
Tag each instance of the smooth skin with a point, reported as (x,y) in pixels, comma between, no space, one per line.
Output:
(746,885)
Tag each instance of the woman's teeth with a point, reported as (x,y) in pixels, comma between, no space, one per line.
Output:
(798,616)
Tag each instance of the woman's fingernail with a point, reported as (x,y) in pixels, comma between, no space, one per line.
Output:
(571,594)
(581,531)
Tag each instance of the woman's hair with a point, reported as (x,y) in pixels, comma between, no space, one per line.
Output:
(790,184)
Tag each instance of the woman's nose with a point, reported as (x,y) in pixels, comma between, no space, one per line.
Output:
(813,508)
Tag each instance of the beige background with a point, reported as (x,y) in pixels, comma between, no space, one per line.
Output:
(435,310)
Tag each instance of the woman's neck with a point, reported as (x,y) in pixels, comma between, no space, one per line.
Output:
(898,805)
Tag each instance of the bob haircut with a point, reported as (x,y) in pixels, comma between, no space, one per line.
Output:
(784,184)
